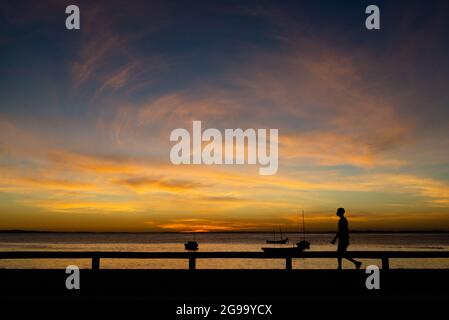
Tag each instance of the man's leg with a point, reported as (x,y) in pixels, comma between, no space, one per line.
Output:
(343,253)
(355,262)
(339,262)
(340,252)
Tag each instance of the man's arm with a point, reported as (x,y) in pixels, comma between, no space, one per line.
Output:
(335,238)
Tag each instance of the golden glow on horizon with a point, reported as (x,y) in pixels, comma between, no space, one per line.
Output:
(162,197)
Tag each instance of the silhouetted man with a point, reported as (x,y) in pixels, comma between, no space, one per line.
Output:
(343,239)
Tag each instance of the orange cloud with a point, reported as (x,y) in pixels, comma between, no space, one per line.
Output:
(82,162)
(44,183)
(330,149)
(142,184)
(83,207)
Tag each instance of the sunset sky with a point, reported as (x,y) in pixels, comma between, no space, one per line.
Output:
(86,115)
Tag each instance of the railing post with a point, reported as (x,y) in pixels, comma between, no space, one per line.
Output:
(192,263)
(95,263)
(288,263)
(385,263)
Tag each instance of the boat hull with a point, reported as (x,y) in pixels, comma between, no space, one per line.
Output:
(292,250)
(283,241)
(300,247)
(191,245)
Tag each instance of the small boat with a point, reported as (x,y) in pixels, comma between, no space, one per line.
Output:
(300,246)
(279,241)
(303,245)
(191,245)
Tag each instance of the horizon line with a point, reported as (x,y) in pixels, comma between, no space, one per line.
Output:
(220,232)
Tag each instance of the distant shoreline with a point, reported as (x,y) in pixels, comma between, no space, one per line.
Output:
(216,232)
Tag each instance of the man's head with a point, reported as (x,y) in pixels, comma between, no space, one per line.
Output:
(340,212)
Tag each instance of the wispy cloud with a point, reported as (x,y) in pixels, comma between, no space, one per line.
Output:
(109,55)
(143,184)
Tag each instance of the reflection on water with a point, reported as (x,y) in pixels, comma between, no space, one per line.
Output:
(173,242)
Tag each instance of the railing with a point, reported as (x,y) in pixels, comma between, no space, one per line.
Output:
(384,256)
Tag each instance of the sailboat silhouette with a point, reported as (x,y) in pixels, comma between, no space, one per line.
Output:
(280,241)
(191,245)
(300,246)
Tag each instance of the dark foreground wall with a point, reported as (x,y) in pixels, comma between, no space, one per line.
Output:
(164,291)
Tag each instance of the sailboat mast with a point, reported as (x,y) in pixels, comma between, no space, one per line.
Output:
(303,227)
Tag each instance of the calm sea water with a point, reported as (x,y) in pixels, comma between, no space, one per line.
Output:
(212,242)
